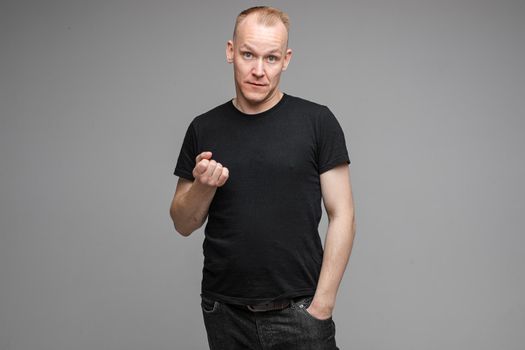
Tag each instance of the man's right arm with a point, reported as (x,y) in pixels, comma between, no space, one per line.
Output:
(190,204)
(192,199)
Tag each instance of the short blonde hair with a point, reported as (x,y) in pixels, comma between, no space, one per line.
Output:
(266,15)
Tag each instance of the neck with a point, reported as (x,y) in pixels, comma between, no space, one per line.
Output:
(248,108)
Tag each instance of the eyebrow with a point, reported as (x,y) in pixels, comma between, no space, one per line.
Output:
(251,49)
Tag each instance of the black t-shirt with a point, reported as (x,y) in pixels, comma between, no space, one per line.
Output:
(261,238)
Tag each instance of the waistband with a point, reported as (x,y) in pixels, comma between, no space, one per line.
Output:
(278,304)
(273,305)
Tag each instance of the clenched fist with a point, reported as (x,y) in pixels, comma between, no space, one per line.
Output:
(208,172)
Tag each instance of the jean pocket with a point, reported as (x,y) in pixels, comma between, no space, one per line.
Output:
(304,304)
(208,305)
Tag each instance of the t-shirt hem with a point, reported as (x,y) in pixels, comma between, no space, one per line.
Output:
(183,173)
(336,161)
(248,301)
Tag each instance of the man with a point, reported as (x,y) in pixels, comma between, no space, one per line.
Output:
(257,167)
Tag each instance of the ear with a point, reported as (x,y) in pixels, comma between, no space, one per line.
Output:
(229,51)
(287,58)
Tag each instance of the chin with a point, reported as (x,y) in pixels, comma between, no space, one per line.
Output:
(254,98)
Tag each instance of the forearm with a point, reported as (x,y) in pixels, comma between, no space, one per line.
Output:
(338,246)
(189,210)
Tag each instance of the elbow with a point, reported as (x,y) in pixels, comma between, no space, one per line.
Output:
(346,215)
(184,232)
(184,222)
(183,227)
(186,229)
(346,218)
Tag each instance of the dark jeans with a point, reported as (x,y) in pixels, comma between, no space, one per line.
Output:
(231,327)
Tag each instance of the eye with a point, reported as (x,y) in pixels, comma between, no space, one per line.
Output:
(272,59)
(247,55)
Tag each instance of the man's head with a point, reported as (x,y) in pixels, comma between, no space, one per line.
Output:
(265,15)
(259,53)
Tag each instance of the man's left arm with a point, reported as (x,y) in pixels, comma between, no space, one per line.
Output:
(338,201)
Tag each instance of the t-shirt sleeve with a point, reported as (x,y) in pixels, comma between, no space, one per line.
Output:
(187,155)
(332,149)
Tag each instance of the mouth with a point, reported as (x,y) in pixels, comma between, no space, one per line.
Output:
(257,84)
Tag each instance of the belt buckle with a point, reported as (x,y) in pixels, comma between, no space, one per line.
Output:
(273,305)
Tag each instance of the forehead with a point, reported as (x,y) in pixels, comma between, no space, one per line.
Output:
(258,35)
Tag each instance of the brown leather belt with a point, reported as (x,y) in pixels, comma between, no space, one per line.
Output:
(272,305)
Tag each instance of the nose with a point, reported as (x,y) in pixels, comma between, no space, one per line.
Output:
(258,70)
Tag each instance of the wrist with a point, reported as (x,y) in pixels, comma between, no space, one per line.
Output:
(324,298)
(322,303)
(202,189)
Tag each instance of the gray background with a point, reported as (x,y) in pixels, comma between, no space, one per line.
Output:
(96,97)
